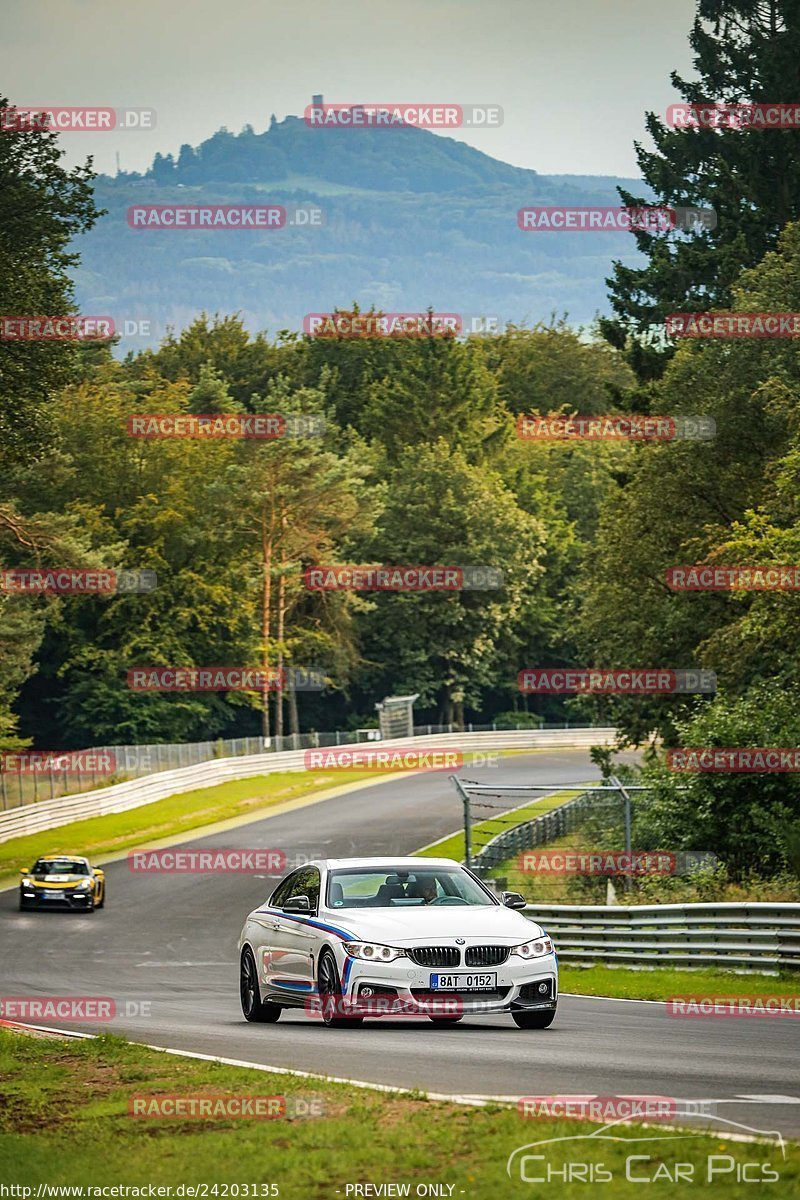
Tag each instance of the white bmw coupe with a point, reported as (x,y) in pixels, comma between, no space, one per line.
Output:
(355,937)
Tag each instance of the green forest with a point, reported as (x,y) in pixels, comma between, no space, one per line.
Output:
(420,463)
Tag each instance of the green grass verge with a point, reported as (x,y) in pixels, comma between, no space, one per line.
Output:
(484,831)
(97,836)
(65,1121)
(662,982)
(554,889)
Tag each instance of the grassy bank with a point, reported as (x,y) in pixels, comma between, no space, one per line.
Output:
(704,886)
(484,831)
(662,982)
(66,1121)
(116,832)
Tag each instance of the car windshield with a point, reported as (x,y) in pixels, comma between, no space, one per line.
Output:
(59,866)
(388,887)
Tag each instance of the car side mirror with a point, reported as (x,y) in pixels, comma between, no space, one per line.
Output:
(513,900)
(22,871)
(297,904)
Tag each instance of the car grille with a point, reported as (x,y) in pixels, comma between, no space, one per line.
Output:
(486,956)
(435,956)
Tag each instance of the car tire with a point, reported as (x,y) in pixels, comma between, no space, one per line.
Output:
(329,990)
(538,1019)
(253,1006)
(102,903)
(445,1020)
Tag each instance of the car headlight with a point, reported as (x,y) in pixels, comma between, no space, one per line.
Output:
(84,885)
(373,951)
(535,949)
(28,883)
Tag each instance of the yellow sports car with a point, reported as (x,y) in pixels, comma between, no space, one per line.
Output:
(62,881)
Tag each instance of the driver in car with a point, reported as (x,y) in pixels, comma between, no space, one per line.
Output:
(427,889)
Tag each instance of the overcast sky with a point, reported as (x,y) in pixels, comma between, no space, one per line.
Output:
(574,77)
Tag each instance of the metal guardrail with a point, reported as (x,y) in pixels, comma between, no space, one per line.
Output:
(49,814)
(754,936)
(135,761)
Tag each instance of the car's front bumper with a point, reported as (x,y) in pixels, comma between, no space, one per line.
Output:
(72,899)
(520,985)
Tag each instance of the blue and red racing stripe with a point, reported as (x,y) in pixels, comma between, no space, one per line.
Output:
(341,933)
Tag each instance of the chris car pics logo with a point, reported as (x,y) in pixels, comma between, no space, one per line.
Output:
(685,1158)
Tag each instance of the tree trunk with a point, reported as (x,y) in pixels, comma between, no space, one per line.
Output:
(280,632)
(294,720)
(266,603)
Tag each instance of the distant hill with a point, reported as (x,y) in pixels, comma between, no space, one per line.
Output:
(412,219)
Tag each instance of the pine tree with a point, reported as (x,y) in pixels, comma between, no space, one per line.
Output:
(747,52)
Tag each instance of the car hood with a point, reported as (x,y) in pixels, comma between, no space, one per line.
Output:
(427,926)
(59,878)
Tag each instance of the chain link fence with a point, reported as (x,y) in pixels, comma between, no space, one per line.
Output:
(538,832)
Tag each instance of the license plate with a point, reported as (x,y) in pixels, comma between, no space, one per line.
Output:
(483,982)
(53,895)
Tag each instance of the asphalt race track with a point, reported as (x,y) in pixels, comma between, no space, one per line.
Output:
(169,941)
